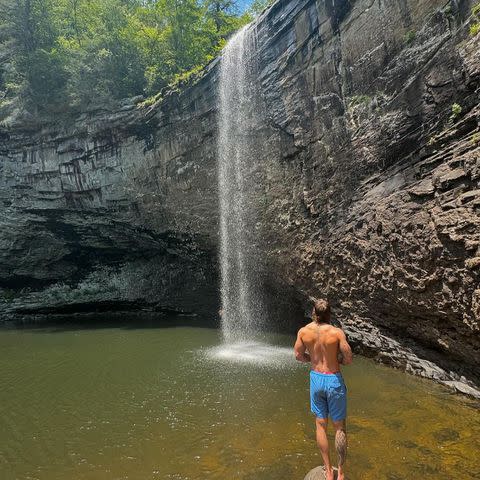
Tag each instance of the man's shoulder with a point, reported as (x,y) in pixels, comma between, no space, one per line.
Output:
(301,330)
(338,331)
(307,328)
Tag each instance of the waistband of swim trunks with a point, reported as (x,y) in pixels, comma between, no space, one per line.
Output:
(326,373)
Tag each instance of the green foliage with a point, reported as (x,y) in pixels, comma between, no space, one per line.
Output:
(63,54)
(474,28)
(410,36)
(475,138)
(456,111)
(151,100)
(185,77)
(258,6)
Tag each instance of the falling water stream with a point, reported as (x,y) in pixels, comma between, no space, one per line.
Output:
(238,100)
(239,154)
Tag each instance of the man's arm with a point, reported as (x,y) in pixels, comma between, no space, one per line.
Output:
(345,349)
(300,350)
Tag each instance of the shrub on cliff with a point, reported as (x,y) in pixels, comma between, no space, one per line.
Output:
(475,26)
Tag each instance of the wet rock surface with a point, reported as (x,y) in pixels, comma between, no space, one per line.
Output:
(367,186)
(318,473)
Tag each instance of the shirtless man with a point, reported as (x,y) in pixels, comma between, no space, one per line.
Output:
(321,344)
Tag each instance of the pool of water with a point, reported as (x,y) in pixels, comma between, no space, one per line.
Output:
(168,402)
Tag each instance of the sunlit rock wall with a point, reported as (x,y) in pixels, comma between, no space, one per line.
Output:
(367,182)
(374,196)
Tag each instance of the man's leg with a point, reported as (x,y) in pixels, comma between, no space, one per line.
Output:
(341,447)
(322,442)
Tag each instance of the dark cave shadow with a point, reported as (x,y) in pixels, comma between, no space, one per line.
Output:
(113,320)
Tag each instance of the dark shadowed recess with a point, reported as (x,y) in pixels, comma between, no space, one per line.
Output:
(127,320)
(282,313)
(88,246)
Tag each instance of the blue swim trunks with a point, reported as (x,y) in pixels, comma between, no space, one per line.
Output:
(328,395)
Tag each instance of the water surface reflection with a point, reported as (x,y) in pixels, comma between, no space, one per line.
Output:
(170,403)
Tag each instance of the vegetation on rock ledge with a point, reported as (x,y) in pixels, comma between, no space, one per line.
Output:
(59,55)
(475,26)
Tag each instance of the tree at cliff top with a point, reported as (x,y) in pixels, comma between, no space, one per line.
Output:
(59,55)
(258,6)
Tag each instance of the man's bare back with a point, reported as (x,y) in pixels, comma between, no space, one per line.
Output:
(321,344)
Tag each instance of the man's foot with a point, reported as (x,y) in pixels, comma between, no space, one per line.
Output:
(329,475)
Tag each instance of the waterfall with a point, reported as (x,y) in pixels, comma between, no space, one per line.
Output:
(239,111)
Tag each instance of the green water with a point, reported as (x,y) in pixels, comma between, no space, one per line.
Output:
(157,403)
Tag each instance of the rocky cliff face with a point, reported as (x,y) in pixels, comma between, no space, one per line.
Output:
(367,186)
(111,209)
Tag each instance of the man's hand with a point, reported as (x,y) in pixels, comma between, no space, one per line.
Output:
(341,360)
(305,357)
